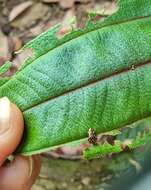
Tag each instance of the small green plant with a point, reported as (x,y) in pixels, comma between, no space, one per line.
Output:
(98,77)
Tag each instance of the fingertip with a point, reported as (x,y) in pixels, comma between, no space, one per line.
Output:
(11,128)
(20,174)
(36,168)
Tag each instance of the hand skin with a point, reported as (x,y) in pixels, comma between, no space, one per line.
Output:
(23,171)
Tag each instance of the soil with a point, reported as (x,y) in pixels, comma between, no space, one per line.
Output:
(73,175)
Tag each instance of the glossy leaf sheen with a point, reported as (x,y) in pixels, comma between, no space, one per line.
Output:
(98,77)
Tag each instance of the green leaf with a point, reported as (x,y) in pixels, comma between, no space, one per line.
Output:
(102,150)
(133,136)
(4,68)
(4,80)
(98,77)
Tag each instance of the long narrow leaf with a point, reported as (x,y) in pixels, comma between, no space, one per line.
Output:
(98,77)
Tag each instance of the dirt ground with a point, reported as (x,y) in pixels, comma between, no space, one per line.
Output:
(73,175)
(98,174)
(21,21)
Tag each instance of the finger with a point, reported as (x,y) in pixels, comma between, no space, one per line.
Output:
(21,174)
(36,170)
(11,128)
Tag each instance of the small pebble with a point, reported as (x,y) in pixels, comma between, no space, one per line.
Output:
(86,181)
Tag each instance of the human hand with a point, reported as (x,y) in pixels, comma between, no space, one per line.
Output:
(23,171)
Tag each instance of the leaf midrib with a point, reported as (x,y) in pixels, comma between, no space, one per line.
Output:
(97,80)
(93,82)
